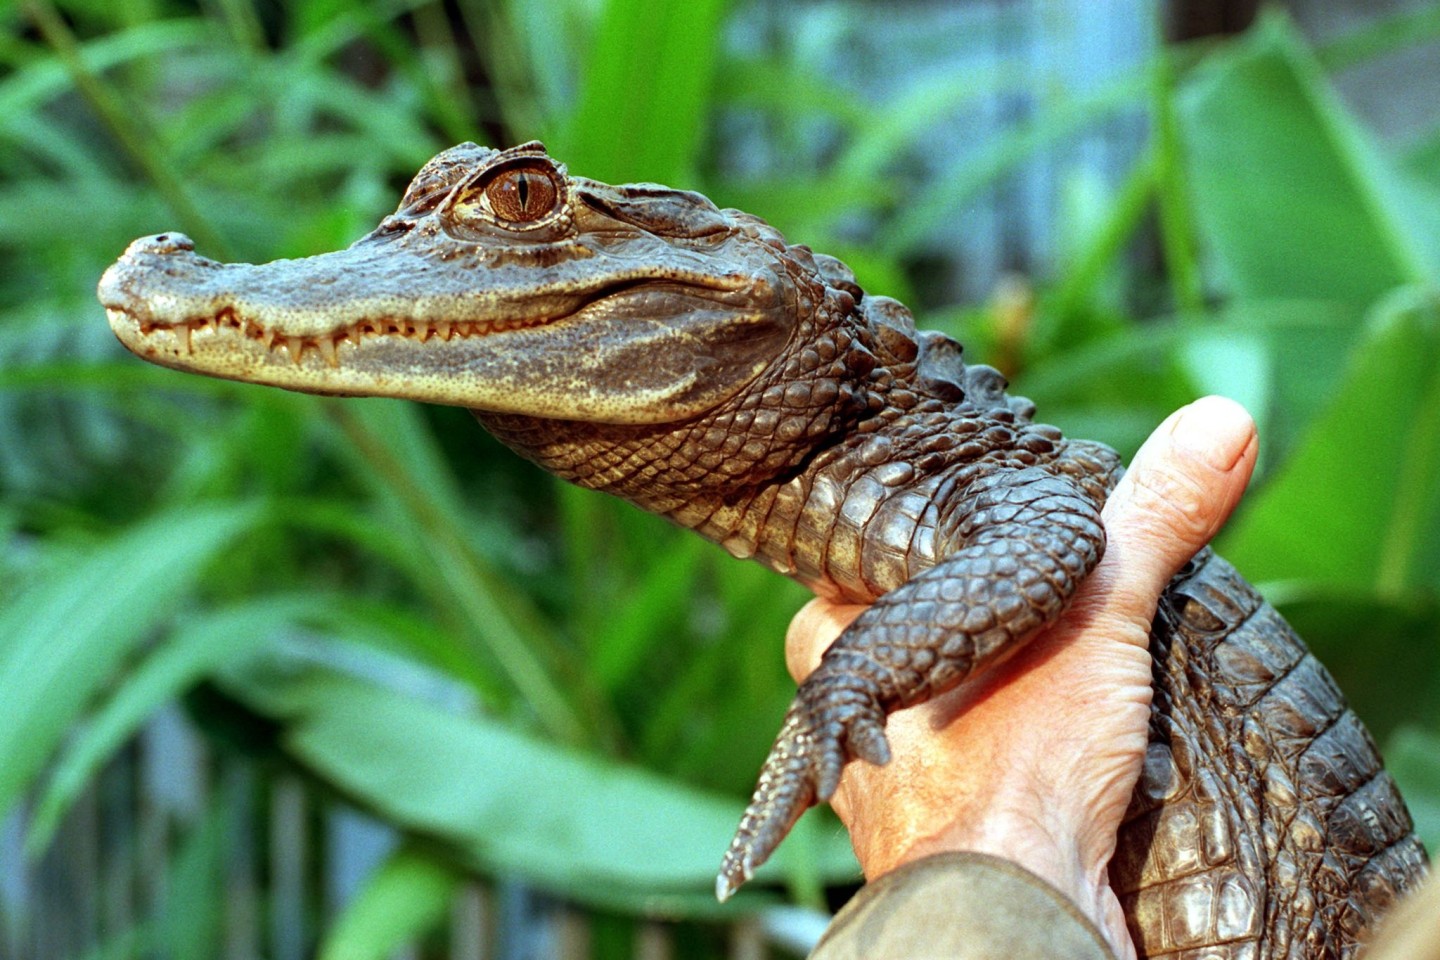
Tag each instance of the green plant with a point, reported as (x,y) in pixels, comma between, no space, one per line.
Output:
(380,598)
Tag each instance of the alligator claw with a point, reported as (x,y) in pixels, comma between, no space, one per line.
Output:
(823,729)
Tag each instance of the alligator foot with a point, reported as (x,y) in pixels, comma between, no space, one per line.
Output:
(833,719)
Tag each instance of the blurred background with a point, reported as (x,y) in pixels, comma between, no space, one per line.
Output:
(284,677)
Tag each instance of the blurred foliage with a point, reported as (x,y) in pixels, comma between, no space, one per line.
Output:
(531,680)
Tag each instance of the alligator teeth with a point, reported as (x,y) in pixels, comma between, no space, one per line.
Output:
(329,344)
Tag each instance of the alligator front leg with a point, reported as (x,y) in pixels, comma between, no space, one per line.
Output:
(1025,538)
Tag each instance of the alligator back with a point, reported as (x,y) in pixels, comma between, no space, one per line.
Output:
(1264,825)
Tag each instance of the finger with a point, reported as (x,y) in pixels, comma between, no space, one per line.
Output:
(1181,488)
(812,631)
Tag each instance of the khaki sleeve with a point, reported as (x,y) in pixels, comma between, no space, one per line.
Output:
(960,906)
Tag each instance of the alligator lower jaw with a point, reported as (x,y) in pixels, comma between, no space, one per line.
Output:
(228,328)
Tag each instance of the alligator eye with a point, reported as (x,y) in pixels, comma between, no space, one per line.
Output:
(520,196)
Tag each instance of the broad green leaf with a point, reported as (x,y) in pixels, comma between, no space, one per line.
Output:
(66,633)
(1422,159)
(1385,654)
(188,655)
(639,112)
(1358,504)
(1413,756)
(1292,198)
(390,449)
(407,895)
(1308,344)
(35,84)
(646,615)
(581,824)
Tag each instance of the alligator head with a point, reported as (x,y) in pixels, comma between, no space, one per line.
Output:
(500,284)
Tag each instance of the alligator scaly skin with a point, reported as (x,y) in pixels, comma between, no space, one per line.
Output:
(1264,825)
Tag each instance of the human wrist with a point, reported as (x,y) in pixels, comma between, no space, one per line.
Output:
(1034,836)
(1037,839)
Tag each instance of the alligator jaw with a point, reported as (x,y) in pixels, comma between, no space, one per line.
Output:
(237,331)
(582,350)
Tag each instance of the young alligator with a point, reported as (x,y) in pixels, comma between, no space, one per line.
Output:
(638,340)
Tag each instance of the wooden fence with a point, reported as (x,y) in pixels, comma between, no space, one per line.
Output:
(285,862)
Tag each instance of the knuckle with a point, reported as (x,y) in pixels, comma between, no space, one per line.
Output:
(1173,502)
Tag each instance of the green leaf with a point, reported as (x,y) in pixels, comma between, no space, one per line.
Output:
(640,110)
(1385,654)
(1381,37)
(389,447)
(1413,756)
(191,653)
(407,896)
(1292,198)
(1358,504)
(46,78)
(911,114)
(647,614)
(579,824)
(65,634)
(125,945)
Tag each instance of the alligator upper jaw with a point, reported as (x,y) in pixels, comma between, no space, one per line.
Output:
(375,320)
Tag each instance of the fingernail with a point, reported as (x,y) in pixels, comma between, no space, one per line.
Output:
(1215,430)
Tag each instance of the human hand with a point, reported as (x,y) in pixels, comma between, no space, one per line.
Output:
(1035,760)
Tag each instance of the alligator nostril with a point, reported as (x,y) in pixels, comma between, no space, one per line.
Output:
(162,243)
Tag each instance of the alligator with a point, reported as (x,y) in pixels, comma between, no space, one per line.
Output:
(637,339)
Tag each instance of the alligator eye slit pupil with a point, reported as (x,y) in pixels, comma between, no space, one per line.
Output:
(522,194)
